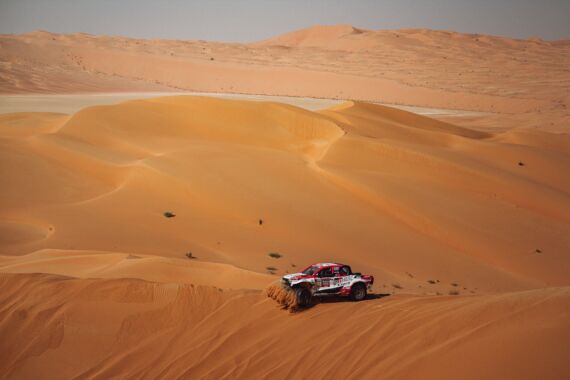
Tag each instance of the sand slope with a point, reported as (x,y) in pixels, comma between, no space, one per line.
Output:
(127,328)
(383,188)
(95,280)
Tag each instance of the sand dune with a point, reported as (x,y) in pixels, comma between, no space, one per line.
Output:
(96,283)
(417,67)
(327,185)
(135,237)
(128,328)
(104,264)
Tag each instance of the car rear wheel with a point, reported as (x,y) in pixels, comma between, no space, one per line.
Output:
(304,297)
(358,292)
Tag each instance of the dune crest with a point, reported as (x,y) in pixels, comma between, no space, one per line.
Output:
(319,36)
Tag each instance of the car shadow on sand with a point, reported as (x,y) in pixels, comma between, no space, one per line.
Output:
(337,299)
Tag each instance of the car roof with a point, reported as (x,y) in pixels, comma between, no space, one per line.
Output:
(322,265)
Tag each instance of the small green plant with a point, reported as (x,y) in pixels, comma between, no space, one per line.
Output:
(275,255)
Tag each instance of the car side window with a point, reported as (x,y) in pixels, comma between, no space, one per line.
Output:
(327,272)
(345,271)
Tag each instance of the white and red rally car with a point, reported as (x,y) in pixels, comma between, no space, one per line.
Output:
(326,279)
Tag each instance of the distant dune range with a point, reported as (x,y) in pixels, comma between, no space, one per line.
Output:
(463,221)
(414,67)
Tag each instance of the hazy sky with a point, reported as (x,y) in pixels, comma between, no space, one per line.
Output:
(251,20)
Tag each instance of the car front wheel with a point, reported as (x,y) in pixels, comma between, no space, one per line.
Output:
(304,297)
(358,292)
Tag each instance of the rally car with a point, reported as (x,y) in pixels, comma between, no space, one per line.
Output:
(326,279)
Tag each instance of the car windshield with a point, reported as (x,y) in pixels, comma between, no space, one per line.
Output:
(311,270)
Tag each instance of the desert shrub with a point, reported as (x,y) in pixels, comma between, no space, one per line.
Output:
(431,282)
(454,284)
(169,214)
(275,255)
(190,255)
(397,286)
(454,292)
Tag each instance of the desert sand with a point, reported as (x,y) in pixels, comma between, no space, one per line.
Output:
(464,220)
(523,82)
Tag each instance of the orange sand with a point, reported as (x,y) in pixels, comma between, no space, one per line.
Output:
(398,195)
(523,81)
(464,222)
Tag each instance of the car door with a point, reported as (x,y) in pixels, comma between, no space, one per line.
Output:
(341,274)
(325,279)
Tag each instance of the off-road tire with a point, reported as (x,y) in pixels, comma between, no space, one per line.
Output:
(358,292)
(304,296)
